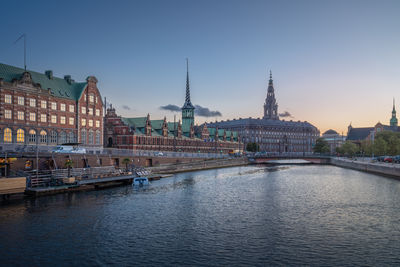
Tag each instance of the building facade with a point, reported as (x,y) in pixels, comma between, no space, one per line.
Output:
(333,139)
(143,133)
(358,134)
(40,109)
(271,133)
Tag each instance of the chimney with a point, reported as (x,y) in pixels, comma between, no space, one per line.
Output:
(49,74)
(68,78)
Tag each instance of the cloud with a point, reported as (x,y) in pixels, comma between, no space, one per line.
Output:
(126,107)
(285,114)
(199,110)
(205,112)
(170,107)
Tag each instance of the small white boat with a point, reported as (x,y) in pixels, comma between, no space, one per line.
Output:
(140,181)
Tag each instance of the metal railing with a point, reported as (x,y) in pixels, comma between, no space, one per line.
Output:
(14,148)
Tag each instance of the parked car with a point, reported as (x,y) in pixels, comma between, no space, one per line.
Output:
(388,159)
(380,158)
(396,159)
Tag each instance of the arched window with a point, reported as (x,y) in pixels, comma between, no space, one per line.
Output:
(32,136)
(90,137)
(53,137)
(7,135)
(71,137)
(83,136)
(20,136)
(43,137)
(63,138)
(97,137)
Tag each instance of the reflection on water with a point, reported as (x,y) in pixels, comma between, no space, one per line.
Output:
(291,215)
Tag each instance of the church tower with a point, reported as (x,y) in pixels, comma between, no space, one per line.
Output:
(188,108)
(393,120)
(270,106)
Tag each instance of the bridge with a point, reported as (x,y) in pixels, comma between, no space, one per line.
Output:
(289,158)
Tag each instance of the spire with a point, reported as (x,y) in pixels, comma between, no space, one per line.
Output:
(188,103)
(270,74)
(394,109)
(187,99)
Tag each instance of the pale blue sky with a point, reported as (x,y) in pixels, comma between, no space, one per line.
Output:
(332,61)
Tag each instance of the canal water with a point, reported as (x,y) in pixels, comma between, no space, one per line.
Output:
(292,215)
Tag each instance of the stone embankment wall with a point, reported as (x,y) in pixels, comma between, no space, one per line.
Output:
(199,165)
(390,169)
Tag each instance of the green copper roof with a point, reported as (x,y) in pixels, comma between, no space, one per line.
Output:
(59,87)
(139,122)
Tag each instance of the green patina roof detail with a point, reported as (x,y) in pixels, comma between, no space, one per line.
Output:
(171,126)
(138,123)
(157,124)
(58,86)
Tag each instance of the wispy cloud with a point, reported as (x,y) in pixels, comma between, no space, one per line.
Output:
(285,114)
(170,107)
(206,112)
(199,110)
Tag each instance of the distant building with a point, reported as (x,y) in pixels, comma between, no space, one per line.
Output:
(143,133)
(38,108)
(271,133)
(358,134)
(334,139)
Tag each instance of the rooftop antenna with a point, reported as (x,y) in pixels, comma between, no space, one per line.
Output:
(24,36)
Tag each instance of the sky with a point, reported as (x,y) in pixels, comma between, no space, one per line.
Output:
(333,62)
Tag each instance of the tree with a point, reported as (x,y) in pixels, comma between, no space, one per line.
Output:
(252,147)
(321,146)
(69,164)
(380,147)
(349,148)
(126,162)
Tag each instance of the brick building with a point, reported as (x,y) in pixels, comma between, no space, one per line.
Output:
(142,133)
(38,108)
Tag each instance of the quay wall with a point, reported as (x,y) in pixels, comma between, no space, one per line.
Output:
(387,169)
(199,165)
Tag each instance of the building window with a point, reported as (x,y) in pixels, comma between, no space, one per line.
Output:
(62,119)
(96,99)
(7,99)
(7,135)
(85,97)
(53,137)
(90,123)
(71,137)
(83,136)
(20,136)
(63,138)
(98,124)
(32,102)
(32,116)
(91,98)
(32,136)
(43,104)
(20,115)
(97,137)
(71,108)
(21,100)
(43,117)
(62,107)
(97,112)
(53,105)
(83,122)
(7,114)
(53,118)
(83,110)
(90,111)
(90,137)
(43,137)
(71,121)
